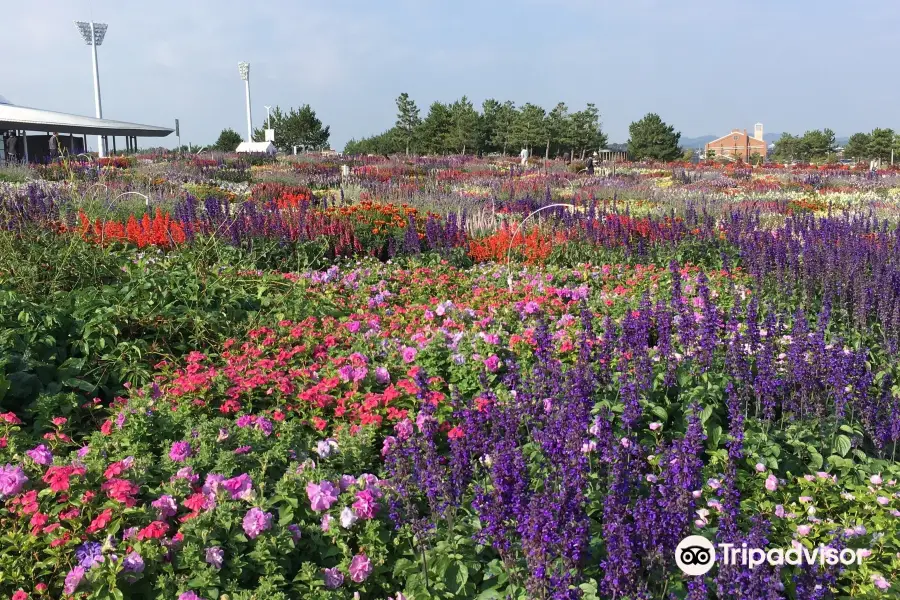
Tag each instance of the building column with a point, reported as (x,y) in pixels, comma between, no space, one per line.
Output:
(84,148)
(114,144)
(25,145)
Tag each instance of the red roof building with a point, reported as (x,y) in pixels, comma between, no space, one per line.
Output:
(739,145)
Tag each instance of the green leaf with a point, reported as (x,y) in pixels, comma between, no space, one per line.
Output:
(815,461)
(842,445)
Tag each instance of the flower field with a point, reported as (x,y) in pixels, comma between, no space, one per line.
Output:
(229,378)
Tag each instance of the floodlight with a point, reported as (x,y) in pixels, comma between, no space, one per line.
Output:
(244,70)
(93,33)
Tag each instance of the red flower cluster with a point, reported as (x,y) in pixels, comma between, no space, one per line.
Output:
(160,231)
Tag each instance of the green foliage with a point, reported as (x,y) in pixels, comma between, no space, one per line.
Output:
(228,140)
(857,146)
(500,122)
(385,143)
(816,145)
(652,139)
(585,134)
(408,120)
(296,128)
(881,142)
(437,129)
(95,319)
(464,133)
(529,128)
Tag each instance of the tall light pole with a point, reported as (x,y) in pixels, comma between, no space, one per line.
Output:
(244,70)
(268,108)
(93,34)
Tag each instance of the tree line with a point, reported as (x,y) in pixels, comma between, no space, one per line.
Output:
(295,127)
(821,146)
(499,127)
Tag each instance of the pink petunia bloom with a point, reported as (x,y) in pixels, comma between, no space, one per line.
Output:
(239,487)
(12,479)
(409,354)
(365,505)
(322,495)
(165,505)
(256,521)
(360,568)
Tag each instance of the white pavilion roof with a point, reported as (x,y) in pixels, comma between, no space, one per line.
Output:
(33,119)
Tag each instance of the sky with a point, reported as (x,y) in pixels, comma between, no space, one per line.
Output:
(705,66)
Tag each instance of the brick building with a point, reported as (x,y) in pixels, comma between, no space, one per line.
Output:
(738,144)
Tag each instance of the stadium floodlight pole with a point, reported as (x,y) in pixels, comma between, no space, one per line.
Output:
(93,34)
(244,70)
(268,108)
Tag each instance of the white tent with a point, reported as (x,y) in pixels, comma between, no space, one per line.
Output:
(257,147)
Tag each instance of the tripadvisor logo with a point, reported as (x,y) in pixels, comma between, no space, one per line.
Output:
(696,555)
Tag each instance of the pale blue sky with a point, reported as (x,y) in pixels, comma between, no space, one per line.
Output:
(705,66)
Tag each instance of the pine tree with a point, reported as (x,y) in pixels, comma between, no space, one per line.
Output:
(408,119)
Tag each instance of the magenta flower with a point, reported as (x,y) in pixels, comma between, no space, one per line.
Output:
(346,481)
(73,580)
(189,595)
(239,487)
(256,521)
(180,451)
(212,484)
(264,425)
(771,483)
(360,568)
(322,495)
(12,478)
(409,354)
(186,473)
(382,376)
(365,505)
(492,363)
(41,455)
(166,506)
(404,429)
(333,578)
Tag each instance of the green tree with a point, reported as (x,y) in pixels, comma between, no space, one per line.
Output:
(228,140)
(408,120)
(816,145)
(558,128)
(652,138)
(787,148)
(857,146)
(881,141)
(389,142)
(437,129)
(296,128)
(530,128)
(585,133)
(464,132)
(504,122)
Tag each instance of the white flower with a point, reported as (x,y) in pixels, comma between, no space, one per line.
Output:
(348,517)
